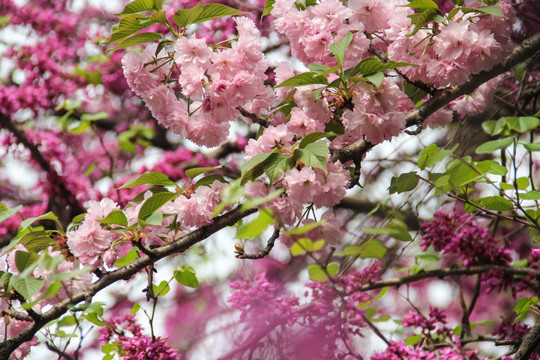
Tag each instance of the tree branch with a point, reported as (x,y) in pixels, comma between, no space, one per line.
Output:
(60,189)
(530,342)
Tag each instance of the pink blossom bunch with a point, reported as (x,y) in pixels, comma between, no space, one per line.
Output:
(312,30)
(134,344)
(91,240)
(237,75)
(466,44)
(378,115)
(460,234)
(261,301)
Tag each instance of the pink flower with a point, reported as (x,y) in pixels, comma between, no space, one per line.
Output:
(90,240)
(301,185)
(192,52)
(455,41)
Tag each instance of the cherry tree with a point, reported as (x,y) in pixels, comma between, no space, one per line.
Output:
(361,153)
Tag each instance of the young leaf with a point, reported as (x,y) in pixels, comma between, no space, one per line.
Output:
(24,259)
(268,6)
(194,172)
(130,256)
(403,183)
(313,155)
(138,39)
(141,5)
(339,48)
(116,217)
(307,78)
(256,227)
(316,273)
(153,178)
(376,79)
(7,213)
(373,249)
(491,146)
(276,165)
(153,203)
(186,276)
(27,286)
(372,65)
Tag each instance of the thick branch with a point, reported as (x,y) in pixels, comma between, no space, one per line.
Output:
(417,116)
(521,53)
(530,342)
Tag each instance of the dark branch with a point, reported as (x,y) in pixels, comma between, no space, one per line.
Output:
(240,254)
(530,342)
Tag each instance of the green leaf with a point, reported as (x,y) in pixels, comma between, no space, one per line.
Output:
(162,289)
(153,203)
(426,258)
(48,216)
(256,160)
(413,340)
(376,79)
(301,230)
(332,269)
(130,256)
(268,6)
(153,178)
(313,155)
(252,203)
(35,241)
(209,180)
(491,167)
(373,249)
(319,68)
(522,183)
(24,259)
(490,10)
(94,117)
(129,25)
(491,146)
(142,5)
(301,246)
(372,65)
(138,39)
(493,127)
(276,164)
(530,147)
(422,5)
(94,319)
(531,195)
(307,78)
(194,172)
(464,173)
(186,276)
(414,93)
(198,14)
(421,19)
(160,17)
(312,137)
(154,219)
(257,226)
(316,273)
(27,286)
(339,48)
(497,203)
(135,309)
(6,214)
(397,229)
(183,18)
(403,183)
(116,217)
(522,124)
